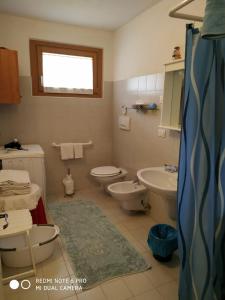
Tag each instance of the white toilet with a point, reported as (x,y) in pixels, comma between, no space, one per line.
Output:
(106,175)
(131,195)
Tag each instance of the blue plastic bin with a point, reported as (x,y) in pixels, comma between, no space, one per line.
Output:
(162,239)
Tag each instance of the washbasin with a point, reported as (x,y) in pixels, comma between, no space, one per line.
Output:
(158,180)
(163,183)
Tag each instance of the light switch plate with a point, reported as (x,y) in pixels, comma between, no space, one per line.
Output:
(124,122)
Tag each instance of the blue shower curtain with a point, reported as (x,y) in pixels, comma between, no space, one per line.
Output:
(201,182)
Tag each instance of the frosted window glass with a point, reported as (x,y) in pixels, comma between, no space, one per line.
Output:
(70,72)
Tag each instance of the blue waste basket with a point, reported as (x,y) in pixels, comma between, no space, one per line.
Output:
(162,240)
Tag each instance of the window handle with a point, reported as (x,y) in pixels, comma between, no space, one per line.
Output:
(41,80)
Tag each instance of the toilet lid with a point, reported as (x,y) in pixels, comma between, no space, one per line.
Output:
(106,171)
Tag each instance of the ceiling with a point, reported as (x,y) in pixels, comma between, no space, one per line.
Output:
(104,14)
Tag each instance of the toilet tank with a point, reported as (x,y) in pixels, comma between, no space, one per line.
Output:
(31,159)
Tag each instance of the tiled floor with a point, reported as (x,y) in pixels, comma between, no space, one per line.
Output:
(159,283)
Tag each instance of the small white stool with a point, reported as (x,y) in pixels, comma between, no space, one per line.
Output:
(19,222)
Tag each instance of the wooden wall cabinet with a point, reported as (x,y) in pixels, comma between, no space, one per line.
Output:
(9,77)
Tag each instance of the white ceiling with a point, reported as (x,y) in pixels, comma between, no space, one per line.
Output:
(105,14)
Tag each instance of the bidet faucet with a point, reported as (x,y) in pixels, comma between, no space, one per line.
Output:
(171,168)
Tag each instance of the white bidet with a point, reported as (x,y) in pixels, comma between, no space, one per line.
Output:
(131,195)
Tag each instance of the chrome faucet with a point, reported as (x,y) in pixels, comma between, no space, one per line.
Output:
(171,168)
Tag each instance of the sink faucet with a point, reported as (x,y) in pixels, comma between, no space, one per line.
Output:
(171,168)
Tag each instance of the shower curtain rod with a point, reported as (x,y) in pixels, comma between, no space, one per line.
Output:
(174,14)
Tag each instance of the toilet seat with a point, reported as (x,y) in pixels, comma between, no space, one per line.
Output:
(105,171)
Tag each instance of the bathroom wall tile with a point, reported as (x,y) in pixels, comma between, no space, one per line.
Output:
(151,82)
(42,120)
(132,85)
(142,85)
(159,81)
(141,147)
(130,88)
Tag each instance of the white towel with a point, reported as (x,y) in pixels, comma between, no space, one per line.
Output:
(13,182)
(11,192)
(78,150)
(14,177)
(66,151)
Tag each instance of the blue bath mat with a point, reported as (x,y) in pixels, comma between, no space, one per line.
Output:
(97,249)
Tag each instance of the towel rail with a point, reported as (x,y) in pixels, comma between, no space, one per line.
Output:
(84,144)
(174,14)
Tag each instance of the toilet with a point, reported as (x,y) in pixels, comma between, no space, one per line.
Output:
(131,195)
(106,175)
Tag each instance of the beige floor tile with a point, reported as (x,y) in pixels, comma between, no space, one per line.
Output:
(116,290)
(32,293)
(130,224)
(174,272)
(140,235)
(10,294)
(55,268)
(172,267)
(69,265)
(74,297)
(169,291)
(59,295)
(126,233)
(19,293)
(147,254)
(158,276)
(92,294)
(138,283)
(147,223)
(8,271)
(115,218)
(150,295)
(77,285)
(61,290)
(120,226)
(134,287)
(139,247)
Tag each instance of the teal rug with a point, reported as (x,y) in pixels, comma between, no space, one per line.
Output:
(97,249)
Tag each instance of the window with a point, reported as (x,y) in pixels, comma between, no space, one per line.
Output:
(65,70)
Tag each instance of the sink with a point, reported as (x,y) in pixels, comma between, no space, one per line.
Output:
(161,182)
